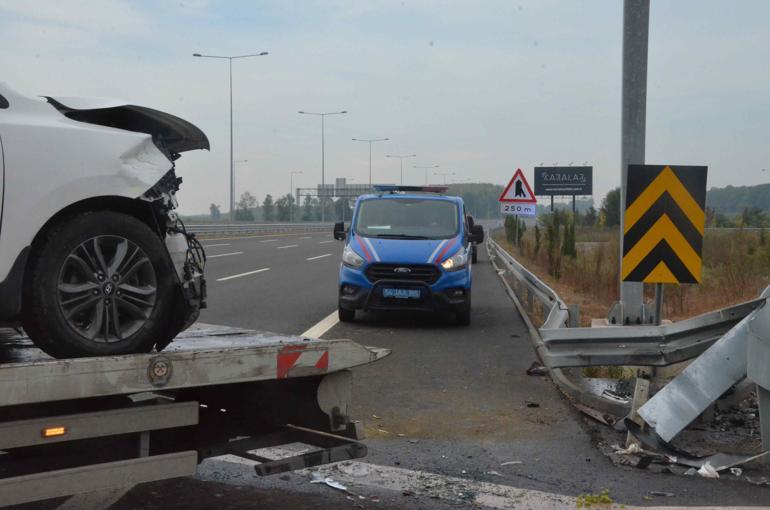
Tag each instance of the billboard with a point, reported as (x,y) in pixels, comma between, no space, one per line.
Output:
(563,180)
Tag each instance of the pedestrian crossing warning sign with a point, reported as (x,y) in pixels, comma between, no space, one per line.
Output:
(663,224)
(517,198)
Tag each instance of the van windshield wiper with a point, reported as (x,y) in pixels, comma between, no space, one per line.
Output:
(399,236)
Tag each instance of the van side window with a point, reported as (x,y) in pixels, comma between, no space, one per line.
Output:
(3,102)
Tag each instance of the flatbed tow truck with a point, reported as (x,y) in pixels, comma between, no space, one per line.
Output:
(77,425)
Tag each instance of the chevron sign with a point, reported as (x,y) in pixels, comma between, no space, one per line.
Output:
(663,224)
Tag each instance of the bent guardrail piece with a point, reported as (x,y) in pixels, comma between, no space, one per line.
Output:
(743,351)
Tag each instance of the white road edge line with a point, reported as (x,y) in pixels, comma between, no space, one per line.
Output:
(324,242)
(305,237)
(243,274)
(323,326)
(287,246)
(215,245)
(224,254)
(319,256)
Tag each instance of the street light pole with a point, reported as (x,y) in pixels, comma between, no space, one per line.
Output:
(445,174)
(401,160)
(371,141)
(426,168)
(323,155)
(230,67)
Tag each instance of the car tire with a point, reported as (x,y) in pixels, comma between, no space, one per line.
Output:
(474,254)
(101,284)
(464,316)
(346,315)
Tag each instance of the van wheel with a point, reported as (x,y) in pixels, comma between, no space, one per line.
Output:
(101,285)
(474,255)
(346,315)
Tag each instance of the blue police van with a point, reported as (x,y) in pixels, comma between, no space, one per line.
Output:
(407,248)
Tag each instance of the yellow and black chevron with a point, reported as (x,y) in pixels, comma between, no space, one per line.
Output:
(663,224)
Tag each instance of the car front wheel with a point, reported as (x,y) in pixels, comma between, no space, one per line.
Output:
(100,285)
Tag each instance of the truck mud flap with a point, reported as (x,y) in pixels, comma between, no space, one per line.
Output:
(330,448)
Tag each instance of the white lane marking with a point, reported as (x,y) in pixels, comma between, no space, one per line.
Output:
(243,274)
(215,245)
(287,246)
(323,326)
(306,237)
(268,240)
(319,256)
(324,242)
(224,254)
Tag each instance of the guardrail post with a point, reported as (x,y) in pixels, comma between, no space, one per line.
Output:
(574,316)
(641,395)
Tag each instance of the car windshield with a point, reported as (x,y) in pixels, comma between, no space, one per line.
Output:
(407,218)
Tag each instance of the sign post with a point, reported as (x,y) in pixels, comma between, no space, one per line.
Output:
(517,198)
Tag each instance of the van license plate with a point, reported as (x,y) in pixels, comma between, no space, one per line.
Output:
(401,293)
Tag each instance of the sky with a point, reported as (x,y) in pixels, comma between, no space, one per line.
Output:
(479,88)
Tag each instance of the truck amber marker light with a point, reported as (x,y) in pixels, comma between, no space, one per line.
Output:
(54,431)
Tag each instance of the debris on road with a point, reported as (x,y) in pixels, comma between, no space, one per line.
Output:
(317,478)
(708,471)
(758,481)
(511,463)
(662,494)
(736,471)
(531,403)
(495,473)
(536,368)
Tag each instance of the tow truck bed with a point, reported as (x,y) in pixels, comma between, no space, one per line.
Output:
(82,424)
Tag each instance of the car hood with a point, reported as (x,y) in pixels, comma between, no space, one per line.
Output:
(170,133)
(405,251)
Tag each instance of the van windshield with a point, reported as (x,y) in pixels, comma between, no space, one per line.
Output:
(407,218)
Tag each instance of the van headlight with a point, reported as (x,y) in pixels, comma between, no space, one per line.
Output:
(350,258)
(456,262)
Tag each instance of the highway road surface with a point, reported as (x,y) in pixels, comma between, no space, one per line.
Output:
(452,419)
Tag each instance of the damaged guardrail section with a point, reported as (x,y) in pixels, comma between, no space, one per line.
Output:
(727,346)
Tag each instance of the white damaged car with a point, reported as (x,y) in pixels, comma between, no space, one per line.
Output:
(93,258)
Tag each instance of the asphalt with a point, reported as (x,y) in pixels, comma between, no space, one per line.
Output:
(453,401)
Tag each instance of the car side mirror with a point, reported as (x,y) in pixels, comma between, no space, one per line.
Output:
(339,231)
(471,223)
(477,234)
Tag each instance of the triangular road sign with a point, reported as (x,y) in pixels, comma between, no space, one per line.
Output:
(518,190)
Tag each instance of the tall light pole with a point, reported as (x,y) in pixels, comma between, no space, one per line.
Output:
(230,59)
(401,160)
(323,157)
(237,162)
(445,174)
(291,192)
(426,168)
(371,141)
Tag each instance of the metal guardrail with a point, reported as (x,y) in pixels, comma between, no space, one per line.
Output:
(255,228)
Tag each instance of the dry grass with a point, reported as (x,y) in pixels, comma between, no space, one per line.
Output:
(736,266)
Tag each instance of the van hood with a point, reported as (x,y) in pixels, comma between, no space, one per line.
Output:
(405,251)
(170,133)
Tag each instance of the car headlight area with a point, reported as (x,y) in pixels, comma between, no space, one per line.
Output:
(351,259)
(456,262)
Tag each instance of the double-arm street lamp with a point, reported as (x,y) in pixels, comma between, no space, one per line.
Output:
(370,141)
(323,162)
(426,168)
(230,59)
(401,160)
(445,174)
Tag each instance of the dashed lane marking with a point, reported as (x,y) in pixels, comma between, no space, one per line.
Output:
(323,326)
(224,254)
(243,274)
(215,245)
(319,256)
(287,246)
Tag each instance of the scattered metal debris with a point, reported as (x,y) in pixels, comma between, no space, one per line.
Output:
(758,481)
(736,471)
(536,368)
(531,403)
(512,463)
(317,478)
(662,494)
(708,471)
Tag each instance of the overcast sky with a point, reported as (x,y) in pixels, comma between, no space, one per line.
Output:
(478,87)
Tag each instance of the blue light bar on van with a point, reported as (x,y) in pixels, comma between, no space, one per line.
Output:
(392,188)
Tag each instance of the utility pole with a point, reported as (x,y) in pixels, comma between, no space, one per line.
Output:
(636,26)
(426,168)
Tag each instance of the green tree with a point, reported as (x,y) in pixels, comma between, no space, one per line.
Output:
(244,207)
(283,207)
(215,211)
(611,208)
(268,208)
(307,208)
(590,217)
